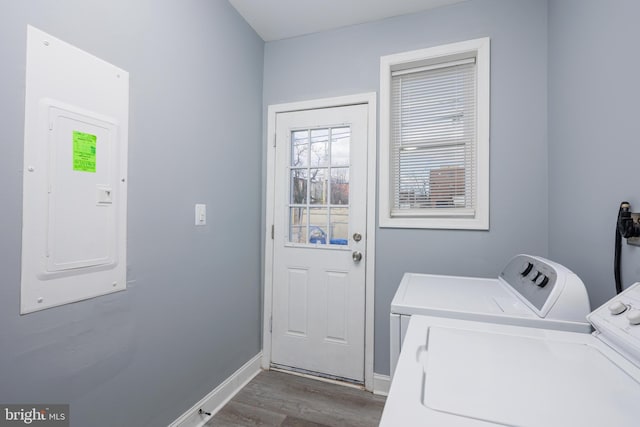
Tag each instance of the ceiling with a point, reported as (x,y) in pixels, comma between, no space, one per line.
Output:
(281,19)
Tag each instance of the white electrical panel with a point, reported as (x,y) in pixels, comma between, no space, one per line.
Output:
(74,182)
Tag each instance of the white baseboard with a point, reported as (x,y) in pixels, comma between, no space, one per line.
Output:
(216,399)
(381,384)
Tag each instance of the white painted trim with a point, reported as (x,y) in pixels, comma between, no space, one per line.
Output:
(268,240)
(372,174)
(480,221)
(216,399)
(381,384)
(364,98)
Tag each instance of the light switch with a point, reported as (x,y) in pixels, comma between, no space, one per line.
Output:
(201,214)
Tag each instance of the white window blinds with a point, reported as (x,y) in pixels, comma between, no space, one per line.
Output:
(433,140)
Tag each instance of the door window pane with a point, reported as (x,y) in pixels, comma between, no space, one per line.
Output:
(340,186)
(318,220)
(298,225)
(299,179)
(300,148)
(319,147)
(339,226)
(340,144)
(318,186)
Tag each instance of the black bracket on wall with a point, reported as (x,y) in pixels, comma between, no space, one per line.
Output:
(627,227)
(635,240)
(629,224)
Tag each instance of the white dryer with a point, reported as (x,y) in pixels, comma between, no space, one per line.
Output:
(530,291)
(465,373)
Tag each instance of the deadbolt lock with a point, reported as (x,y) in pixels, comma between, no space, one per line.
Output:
(357,237)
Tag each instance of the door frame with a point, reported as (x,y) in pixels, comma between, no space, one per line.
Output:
(369,99)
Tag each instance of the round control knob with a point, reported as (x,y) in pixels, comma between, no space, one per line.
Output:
(634,317)
(526,268)
(617,307)
(542,280)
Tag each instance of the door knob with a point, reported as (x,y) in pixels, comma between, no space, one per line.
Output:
(357,256)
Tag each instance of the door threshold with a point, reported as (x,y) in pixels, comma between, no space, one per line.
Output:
(332,379)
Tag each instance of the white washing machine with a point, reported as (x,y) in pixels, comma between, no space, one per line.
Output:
(465,373)
(530,291)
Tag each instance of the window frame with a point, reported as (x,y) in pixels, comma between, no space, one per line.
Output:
(431,218)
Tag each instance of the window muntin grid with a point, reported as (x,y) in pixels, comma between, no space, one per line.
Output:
(318,208)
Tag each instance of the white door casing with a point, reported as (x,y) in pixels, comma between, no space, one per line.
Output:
(318,301)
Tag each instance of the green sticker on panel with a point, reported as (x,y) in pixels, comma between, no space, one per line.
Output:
(84,152)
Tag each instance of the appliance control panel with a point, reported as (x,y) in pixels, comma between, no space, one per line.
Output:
(533,278)
(618,322)
(551,290)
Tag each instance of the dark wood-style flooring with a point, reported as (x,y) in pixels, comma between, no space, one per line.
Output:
(285,400)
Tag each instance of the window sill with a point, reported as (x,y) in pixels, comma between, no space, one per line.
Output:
(435,223)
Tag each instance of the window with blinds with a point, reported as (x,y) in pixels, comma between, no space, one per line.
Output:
(434,133)
(432,138)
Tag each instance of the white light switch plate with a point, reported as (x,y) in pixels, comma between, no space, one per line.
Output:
(201,214)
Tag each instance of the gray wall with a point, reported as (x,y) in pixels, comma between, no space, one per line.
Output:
(593,136)
(347,61)
(143,356)
(191,314)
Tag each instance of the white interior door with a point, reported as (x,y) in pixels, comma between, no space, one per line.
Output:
(318,310)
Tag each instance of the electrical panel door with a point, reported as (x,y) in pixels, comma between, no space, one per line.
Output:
(74,179)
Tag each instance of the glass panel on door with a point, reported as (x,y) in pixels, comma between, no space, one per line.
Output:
(319,186)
